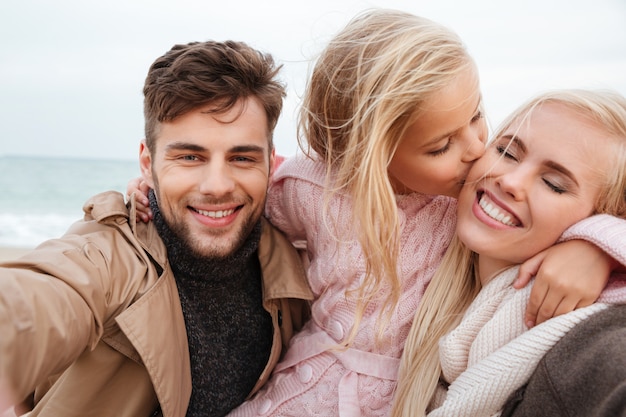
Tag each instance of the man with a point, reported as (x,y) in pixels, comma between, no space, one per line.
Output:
(183,316)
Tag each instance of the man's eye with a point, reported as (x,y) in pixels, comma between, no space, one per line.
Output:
(189,158)
(246,159)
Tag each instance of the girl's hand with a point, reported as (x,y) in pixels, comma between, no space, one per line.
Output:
(138,189)
(569,275)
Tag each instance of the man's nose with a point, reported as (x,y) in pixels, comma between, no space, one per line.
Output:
(217,179)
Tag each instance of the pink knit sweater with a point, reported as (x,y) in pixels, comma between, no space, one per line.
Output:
(315,378)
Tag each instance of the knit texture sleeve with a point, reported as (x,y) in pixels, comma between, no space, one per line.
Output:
(605,231)
(295,197)
(491,353)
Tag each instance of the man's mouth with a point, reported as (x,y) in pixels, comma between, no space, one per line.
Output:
(218,214)
(495,212)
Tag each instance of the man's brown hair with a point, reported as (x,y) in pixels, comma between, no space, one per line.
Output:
(217,73)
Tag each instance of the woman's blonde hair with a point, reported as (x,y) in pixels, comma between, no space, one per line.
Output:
(365,90)
(455,283)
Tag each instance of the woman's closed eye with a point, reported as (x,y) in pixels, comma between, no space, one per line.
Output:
(506,151)
(555,186)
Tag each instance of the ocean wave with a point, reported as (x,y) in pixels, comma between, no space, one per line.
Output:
(29,230)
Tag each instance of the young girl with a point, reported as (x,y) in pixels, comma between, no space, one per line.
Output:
(391,124)
(556,160)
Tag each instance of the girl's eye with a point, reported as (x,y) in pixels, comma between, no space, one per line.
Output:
(506,152)
(440,151)
(556,188)
(477,117)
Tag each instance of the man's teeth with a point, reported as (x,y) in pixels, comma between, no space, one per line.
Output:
(494,212)
(216,214)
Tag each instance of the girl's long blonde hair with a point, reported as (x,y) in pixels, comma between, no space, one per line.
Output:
(455,283)
(365,89)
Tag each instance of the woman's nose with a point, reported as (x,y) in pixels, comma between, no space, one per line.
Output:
(514,181)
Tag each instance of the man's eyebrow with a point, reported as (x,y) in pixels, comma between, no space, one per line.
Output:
(247,149)
(184,146)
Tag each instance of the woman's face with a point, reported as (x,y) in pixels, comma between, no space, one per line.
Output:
(534,181)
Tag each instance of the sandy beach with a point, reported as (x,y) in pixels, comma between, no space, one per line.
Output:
(7,253)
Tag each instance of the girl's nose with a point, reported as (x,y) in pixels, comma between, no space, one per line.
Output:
(476,147)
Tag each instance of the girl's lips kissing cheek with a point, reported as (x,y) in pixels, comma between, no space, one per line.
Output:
(492,213)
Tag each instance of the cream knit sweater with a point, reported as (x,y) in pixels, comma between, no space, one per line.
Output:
(491,352)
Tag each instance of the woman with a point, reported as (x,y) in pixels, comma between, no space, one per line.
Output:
(557,160)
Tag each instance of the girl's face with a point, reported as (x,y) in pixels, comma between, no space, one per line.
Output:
(437,151)
(534,181)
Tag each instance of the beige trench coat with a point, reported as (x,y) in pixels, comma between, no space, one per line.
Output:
(93,320)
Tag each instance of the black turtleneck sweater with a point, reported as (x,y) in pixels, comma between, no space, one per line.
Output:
(229,332)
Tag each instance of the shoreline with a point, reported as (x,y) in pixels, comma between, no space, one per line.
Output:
(8,253)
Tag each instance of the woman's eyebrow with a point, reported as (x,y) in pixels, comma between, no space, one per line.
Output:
(517,141)
(560,168)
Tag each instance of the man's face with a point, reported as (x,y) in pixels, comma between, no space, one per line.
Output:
(210,174)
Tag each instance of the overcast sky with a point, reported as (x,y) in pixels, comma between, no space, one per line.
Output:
(71,71)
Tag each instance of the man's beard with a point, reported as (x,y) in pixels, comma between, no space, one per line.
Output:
(203,246)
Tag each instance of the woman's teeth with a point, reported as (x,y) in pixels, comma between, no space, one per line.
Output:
(494,212)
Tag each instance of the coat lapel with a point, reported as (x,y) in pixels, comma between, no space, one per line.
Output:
(156,328)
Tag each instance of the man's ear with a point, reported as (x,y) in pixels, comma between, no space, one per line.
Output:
(273,162)
(145,164)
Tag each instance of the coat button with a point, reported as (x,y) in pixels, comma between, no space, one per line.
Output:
(280,318)
(265,406)
(305,373)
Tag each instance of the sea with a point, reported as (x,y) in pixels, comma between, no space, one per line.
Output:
(41,197)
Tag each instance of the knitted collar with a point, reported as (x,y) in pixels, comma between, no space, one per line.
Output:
(185,262)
